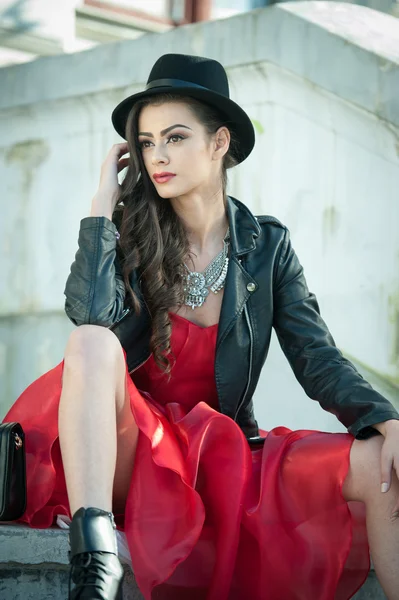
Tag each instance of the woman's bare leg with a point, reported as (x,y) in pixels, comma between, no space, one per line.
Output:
(364,483)
(97,431)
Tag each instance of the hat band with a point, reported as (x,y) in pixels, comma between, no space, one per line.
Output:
(174,83)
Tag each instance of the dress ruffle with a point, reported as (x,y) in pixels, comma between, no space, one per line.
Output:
(208,517)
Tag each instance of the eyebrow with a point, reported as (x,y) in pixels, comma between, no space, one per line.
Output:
(164,131)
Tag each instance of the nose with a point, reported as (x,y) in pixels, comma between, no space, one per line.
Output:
(159,155)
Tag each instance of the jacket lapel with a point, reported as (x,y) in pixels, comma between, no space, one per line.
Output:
(244,229)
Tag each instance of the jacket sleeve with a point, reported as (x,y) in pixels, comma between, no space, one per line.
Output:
(319,366)
(95,291)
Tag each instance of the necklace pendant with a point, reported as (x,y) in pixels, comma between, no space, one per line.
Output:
(196,292)
(194,301)
(196,284)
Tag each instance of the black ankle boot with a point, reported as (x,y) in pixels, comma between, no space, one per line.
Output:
(95,567)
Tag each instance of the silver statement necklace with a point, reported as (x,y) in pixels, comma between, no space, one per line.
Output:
(197,285)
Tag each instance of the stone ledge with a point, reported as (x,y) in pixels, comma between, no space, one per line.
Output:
(34,564)
(43,582)
(301,37)
(21,544)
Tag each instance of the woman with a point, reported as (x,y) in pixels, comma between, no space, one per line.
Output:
(175,288)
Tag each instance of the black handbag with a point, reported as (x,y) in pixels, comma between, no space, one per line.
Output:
(12,471)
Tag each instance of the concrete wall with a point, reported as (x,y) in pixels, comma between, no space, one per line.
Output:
(320,81)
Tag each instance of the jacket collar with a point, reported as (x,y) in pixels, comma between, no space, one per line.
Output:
(244,227)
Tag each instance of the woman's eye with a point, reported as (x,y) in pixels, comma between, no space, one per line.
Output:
(175,139)
(179,137)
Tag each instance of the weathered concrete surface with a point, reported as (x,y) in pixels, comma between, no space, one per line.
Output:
(320,80)
(45,582)
(21,544)
(371,590)
(34,565)
(29,344)
(49,582)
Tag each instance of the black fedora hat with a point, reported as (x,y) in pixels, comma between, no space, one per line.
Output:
(198,77)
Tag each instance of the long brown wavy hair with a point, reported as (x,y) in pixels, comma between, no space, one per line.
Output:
(152,237)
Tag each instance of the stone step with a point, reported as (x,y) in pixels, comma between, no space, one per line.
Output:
(34,566)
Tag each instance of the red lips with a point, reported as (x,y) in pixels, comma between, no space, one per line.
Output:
(163,177)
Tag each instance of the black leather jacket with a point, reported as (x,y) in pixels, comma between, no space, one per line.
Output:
(265,287)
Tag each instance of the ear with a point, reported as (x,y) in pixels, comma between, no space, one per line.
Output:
(221,143)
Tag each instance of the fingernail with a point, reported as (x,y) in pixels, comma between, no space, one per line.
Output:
(395,515)
(384,487)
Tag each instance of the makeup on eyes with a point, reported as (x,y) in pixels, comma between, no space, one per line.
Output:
(164,131)
(174,135)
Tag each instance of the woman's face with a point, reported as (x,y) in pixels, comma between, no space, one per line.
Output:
(173,141)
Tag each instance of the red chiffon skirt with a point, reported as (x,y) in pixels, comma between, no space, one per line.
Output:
(207,516)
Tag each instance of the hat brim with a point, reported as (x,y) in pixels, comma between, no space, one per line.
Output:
(236,118)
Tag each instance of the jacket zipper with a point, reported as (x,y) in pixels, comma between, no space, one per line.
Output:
(123,315)
(140,365)
(251,344)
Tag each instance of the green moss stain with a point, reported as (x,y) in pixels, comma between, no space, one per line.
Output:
(330,221)
(258,126)
(29,154)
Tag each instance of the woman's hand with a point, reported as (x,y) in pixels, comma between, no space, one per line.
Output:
(109,189)
(389,455)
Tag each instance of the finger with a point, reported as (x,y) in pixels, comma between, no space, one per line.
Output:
(386,468)
(119,149)
(123,163)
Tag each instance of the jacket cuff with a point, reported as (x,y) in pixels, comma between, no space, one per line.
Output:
(363,428)
(95,222)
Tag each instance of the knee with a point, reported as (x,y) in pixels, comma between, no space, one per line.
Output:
(92,341)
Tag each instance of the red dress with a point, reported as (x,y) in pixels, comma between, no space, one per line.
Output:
(207,517)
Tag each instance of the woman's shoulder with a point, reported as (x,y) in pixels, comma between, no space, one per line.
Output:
(239,207)
(270,229)
(273,233)
(269,220)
